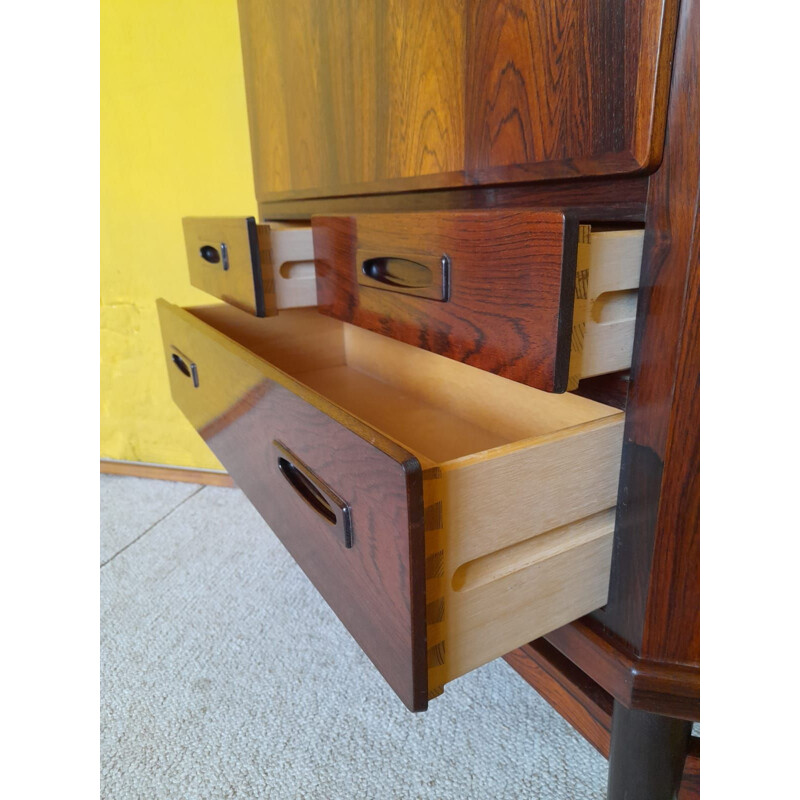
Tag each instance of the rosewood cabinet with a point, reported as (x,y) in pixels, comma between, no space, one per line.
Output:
(488,424)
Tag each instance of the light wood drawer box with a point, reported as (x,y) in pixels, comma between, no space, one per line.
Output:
(447,515)
(259,268)
(527,294)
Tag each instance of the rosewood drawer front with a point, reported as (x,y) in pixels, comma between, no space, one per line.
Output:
(251,413)
(529,295)
(257,268)
(446,514)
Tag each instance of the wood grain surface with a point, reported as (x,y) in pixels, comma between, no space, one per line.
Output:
(643,645)
(511,296)
(616,200)
(659,687)
(548,559)
(581,701)
(376,587)
(353,97)
(654,600)
(545,83)
(585,704)
(243,275)
(386,98)
(604,313)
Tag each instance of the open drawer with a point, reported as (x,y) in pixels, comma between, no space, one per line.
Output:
(259,268)
(446,514)
(528,294)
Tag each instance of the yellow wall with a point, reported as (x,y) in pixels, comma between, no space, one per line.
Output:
(174,143)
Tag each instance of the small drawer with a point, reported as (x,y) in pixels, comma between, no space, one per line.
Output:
(447,515)
(257,268)
(529,295)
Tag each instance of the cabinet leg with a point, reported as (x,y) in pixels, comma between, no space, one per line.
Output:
(647,755)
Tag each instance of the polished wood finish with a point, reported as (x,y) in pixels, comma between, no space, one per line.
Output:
(581,701)
(161,472)
(255,267)
(643,646)
(402,95)
(548,558)
(660,687)
(653,605)
(229,257)
(652,752)
(585,704)
(511,296)
(506,301)
(620,200)
(241,406)
(655,599)
(671,625)
(374,102)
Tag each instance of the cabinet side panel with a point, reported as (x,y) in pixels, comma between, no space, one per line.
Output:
(657,520)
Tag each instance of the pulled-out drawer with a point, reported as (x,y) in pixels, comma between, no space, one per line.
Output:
(530,295)
(446,514)
(257,268)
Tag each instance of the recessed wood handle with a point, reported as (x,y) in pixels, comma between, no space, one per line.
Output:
(225,259)
(316,493)
(417,274)
(185,366)
(214,255)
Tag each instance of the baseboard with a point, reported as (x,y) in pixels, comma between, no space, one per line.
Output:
(162,472)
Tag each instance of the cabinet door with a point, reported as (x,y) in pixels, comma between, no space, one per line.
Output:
(361,96)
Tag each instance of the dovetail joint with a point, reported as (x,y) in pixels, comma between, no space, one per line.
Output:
(435,609)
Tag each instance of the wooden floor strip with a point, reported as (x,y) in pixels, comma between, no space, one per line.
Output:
(162,472)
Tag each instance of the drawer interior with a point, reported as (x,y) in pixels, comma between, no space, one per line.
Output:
(438,408)
(519,485)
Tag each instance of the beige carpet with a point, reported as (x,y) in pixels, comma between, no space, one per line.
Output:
(225,675)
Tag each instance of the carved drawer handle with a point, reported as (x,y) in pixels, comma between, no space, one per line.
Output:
(213,255)
(420,275)
(316,493)
(186,366)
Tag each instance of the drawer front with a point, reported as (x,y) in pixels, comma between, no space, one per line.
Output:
(229,258)
(345,501)
(257,268)
(492,289)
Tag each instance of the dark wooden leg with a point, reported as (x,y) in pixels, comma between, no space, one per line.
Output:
(647,755)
